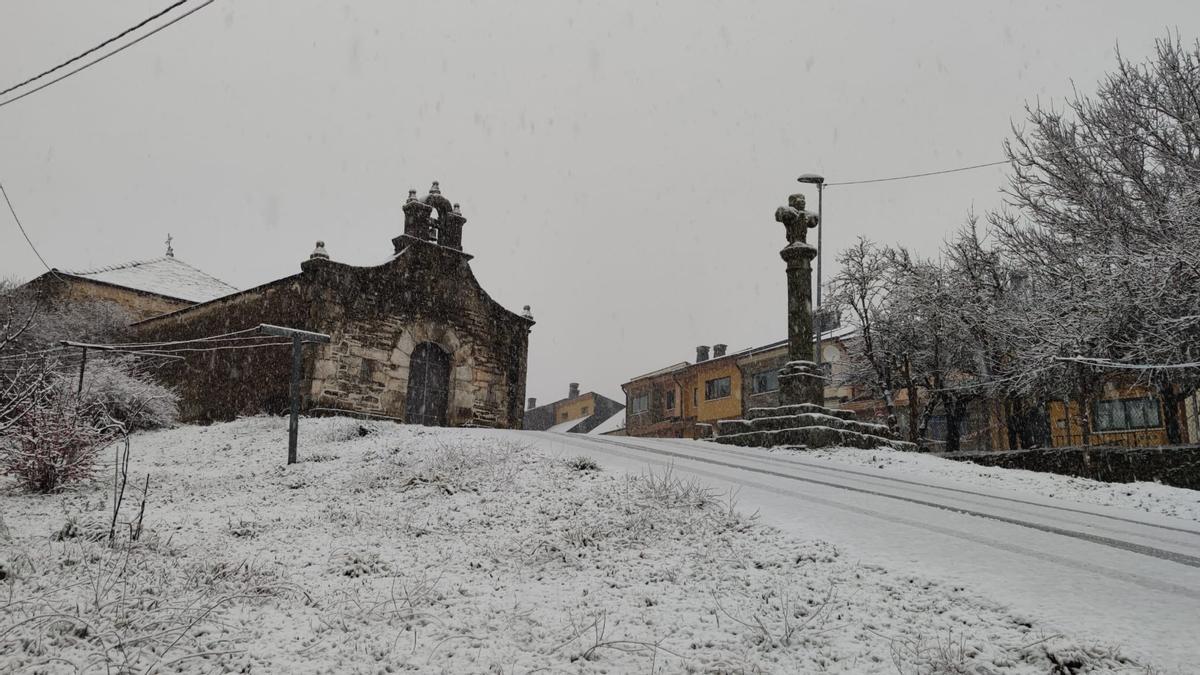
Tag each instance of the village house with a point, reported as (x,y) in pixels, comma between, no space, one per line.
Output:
(577,413)
(1124,414)
(415,339)
(686,400)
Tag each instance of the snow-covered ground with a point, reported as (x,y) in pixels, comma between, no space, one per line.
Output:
(1149,497)
(392,548)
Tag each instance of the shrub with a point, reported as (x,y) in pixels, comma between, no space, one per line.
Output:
(55,442)
(126,396)
(583,463)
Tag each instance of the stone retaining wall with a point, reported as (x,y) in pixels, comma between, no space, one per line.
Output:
(1178,466)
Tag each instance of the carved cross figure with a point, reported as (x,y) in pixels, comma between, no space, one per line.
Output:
(170,251)
(795,219)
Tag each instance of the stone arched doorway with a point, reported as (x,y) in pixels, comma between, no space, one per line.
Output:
(428,396)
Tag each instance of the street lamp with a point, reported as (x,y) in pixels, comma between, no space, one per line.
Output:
(819,181)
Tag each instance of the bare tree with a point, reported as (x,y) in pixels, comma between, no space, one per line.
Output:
(1105,201)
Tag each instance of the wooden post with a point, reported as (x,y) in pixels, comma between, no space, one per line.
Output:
(294,424)
(299,337)
(82,364)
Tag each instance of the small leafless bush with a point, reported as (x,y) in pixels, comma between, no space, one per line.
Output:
(583,463)
(116,610)
(56,442)
(458,466)
(243,529)
(672,491)
(590,635)
(408,602)
(779,617)
(81,528)
(345,429)
(355,563)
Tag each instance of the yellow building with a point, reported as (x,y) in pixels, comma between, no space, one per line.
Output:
(686,400)
(589,410)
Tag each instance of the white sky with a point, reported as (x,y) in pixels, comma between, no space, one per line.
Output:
(619,162)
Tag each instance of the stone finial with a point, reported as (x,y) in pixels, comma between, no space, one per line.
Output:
(319,252)
(528,314)
(434,189)
(412,196)
(456,210)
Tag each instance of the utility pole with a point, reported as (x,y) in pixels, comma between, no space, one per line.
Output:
(299,338)
(819,181)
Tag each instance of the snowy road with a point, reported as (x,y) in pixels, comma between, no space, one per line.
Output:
(1117,576)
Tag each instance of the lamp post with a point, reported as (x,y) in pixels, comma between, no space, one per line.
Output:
(819,181)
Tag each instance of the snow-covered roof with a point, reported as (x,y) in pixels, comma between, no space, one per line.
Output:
(839,332)
(166,276)
(663,371)
(566,427)
(613,423)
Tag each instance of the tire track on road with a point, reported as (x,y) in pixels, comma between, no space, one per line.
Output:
(712,447)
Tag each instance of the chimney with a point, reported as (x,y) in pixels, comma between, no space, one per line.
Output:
(574,391)
(701,353)
(532,403)
(719,351)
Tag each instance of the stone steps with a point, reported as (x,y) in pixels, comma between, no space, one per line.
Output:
(813,437)
(819,420)
(800,409)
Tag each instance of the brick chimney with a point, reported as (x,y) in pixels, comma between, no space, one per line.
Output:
(532,403)
(574,390)
(701,353)
(719,351)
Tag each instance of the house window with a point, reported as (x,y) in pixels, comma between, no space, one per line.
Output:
(695,397)
(767,380)
(1127,414)
(583,411)
(564,414)
(640,404)
(718,388)
(670,400)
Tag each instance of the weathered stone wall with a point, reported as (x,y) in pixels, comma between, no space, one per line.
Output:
(1178,466)
(375,317)
(139,304)
(221,385)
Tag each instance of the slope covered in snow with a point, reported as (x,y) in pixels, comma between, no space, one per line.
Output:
(394,548)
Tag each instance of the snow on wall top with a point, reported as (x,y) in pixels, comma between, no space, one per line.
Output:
(566,427)
(613,423)
(163,276)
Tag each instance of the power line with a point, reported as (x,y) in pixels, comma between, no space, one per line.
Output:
(98,59)
(98,47)
(23,233)
(973,167)
(918,175)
